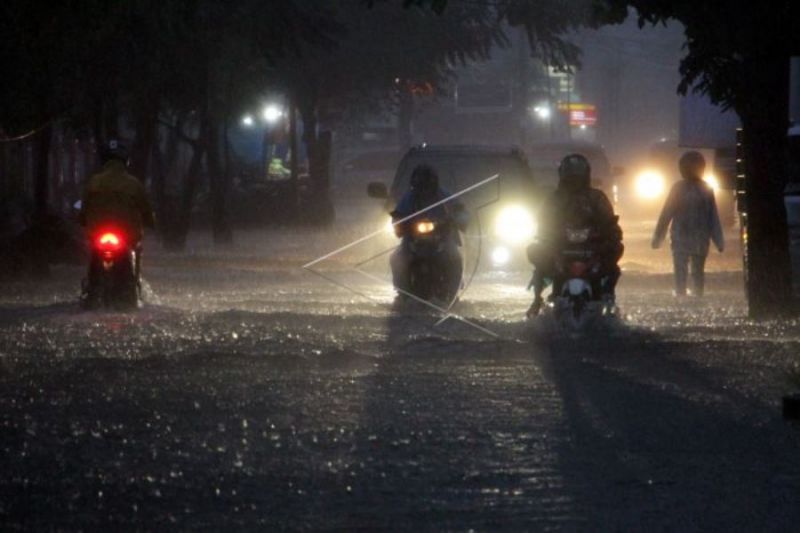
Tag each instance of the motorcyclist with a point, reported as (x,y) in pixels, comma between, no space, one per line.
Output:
(115,198)
(575,204)
(424,192)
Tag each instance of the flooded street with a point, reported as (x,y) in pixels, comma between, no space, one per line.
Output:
(253,394)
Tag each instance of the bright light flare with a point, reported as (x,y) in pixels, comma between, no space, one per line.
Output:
(501,256)
(712,181)
(425,227)
(272,114)
(515,225)
(650,184)
(542,112)
(248,121)
(109,241)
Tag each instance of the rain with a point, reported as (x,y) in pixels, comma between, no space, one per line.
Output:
(281,349)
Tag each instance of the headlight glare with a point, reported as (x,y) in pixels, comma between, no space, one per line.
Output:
(650,184)
(712,180)
(515,225)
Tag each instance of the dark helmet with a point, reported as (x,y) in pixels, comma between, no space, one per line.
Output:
(692,165)
(574,172)
(424,179)
(114,149)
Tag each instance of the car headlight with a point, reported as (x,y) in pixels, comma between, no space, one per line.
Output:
(650,184)
(712,181)
(501,256)
(515,225)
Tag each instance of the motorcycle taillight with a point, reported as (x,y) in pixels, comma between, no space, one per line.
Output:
(577,269)
(109,242)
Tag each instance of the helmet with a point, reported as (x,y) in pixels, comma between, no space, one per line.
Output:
(574,172)
(114,149)
(424,180)
(692,165)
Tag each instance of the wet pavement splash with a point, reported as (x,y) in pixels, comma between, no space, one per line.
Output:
(248,394)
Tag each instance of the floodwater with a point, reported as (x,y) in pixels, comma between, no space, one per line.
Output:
(251,393)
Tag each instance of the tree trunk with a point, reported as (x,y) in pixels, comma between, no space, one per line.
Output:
(295,156)
(318,148)
(220,228)
(146,122)
(178,212)
(308,114)
(764,113)
(158,185)
(190,182)
(41,188)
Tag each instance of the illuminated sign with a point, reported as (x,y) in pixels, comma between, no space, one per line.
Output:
(579,114)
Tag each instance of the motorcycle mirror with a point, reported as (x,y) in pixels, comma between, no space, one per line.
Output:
(377,190)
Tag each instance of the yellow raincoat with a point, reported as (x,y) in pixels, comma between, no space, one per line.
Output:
(115,199)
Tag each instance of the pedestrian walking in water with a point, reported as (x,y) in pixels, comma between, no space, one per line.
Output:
(692,212)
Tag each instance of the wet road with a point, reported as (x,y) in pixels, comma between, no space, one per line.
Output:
(251,394)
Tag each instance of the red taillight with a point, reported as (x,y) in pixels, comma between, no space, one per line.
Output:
(577,269)
(109,241)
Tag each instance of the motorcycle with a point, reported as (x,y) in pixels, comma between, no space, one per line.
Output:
(578,303)
(113,282)
(428,273)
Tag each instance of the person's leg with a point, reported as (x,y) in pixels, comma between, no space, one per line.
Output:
(610,279)
(400,260)
(680,262)
(454,270)
(612,271)
(542,269)
(90,294)
(698,274)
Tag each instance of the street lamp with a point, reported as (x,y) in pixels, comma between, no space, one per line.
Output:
(542,112)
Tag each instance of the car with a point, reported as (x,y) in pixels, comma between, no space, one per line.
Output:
(643,194)
(352,174)
(374,163)
(503,210)
(792,202)
(545,157)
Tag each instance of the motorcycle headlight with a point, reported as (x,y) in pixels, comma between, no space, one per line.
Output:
(500,256)
(650,184)
(515,224)
(425,226)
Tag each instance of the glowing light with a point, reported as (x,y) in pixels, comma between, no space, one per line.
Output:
(515,224)
(109,241)
(650,184)
(543,112)
(272,114)
(248,121)
(501,256)
(712,181)
(425,227)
